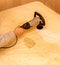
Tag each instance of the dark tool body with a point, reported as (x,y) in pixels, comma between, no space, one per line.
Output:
(27,25)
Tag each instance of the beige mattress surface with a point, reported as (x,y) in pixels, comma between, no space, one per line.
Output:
(34,47)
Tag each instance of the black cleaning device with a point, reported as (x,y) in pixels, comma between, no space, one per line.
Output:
(42,22)
(27,25)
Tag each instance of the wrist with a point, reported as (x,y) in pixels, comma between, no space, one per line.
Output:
(18,31)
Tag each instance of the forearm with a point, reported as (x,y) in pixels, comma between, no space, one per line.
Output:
(7,39)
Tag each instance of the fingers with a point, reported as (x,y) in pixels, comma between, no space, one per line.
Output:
(18,30)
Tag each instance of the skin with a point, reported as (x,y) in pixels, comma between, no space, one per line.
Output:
(18,31)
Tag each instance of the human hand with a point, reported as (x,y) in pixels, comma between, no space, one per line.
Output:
(18,31)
